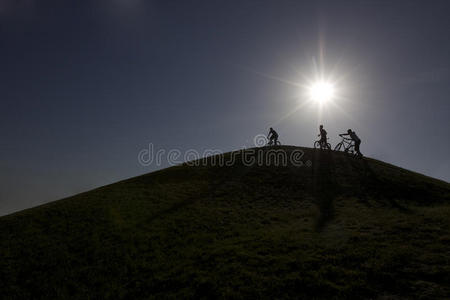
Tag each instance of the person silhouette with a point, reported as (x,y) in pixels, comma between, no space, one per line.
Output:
(323,137)
(273,137)
(355,139)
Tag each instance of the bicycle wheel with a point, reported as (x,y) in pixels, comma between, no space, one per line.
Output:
(316,144)
(338,147)
(350,149)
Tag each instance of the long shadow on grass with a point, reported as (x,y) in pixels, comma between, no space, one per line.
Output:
(372,185)
(325,188)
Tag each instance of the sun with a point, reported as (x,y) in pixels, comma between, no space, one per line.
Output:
(321,91)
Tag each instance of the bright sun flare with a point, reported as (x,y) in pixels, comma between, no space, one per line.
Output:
(321,91)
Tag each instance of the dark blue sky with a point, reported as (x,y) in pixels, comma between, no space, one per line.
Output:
(85,85)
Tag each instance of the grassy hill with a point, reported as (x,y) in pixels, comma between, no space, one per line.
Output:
(339,228)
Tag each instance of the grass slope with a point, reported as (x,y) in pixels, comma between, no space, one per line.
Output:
(341,228)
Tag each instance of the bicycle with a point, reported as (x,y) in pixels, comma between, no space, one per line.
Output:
(347,145)
(322,145)
(273,143)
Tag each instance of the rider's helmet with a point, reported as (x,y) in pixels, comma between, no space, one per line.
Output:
(321,126)
(349,131)
(271,129)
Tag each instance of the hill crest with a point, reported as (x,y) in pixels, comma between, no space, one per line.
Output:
(337,227)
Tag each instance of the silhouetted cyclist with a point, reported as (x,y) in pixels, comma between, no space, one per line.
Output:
(273,137)
(323,136)
(355,138)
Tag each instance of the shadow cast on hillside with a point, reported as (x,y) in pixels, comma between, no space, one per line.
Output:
(325,188)
(372,185)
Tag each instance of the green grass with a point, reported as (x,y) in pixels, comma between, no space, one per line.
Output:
(342,228)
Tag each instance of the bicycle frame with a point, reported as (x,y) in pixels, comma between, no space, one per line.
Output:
(348,144)
(273,143)
(322,144)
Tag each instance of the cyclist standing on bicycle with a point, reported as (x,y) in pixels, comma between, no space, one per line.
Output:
(273,137)
(323,137)
(355,138)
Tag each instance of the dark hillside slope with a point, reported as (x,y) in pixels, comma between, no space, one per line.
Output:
(339,228)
